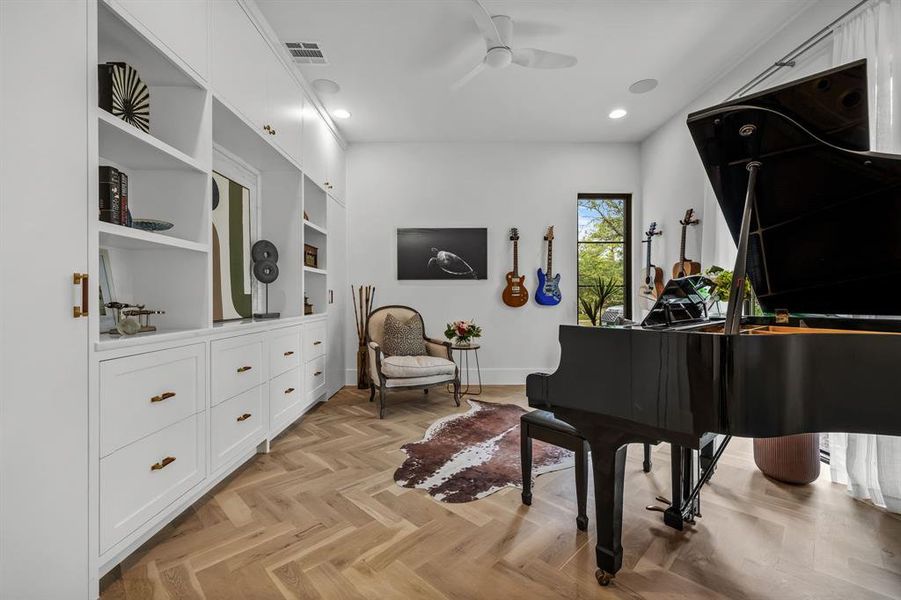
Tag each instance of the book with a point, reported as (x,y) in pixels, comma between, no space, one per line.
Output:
(123,199)
(110,210)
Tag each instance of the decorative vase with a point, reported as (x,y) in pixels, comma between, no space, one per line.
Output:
(463,342)
(791,459)
(362,368)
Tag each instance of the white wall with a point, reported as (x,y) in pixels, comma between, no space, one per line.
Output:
(673,178)
(493,185)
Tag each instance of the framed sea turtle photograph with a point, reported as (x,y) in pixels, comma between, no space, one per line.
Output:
(442,253)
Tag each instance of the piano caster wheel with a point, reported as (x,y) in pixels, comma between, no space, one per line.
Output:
(604,578)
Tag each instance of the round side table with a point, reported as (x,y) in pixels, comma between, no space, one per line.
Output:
(464,360)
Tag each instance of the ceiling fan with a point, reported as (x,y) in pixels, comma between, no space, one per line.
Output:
(497,30)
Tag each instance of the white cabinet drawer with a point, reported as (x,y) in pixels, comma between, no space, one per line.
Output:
(285,391)
(315,378)
(236,425)
(236,365)
(140,480)
(148,392)
(313,340)
(284,351)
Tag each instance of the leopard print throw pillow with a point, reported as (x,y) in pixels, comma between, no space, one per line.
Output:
(403,338)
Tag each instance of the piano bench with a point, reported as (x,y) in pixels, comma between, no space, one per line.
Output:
(541,425)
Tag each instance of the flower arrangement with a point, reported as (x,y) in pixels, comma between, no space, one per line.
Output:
(462,332)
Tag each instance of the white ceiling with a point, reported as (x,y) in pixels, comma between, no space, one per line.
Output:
(395,61)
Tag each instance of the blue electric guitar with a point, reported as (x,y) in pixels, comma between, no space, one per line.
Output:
(548,292)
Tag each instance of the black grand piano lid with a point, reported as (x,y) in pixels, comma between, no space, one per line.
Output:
(825,234)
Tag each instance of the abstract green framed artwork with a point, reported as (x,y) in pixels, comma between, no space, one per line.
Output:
(232,288)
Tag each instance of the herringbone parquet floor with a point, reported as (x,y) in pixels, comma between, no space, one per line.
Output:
(321,517)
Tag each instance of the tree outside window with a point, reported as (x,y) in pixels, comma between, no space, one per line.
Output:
(604,255)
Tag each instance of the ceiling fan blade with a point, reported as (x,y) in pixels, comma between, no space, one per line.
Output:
(542,59)
(468,77)
(486,25)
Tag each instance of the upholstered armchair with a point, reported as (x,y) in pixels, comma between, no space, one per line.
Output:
(435,368)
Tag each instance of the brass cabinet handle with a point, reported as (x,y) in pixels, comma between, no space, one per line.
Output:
(244,368)
(81,311)
(244,417)
(289,352)
(317,373)
(163,396)
(163,463)
(316,343)
(289,390)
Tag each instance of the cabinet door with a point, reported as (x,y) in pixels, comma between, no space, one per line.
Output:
(238,51)
(286,105)
(335,168)
(337,296)
(315,148)
(44,232)
(181,27)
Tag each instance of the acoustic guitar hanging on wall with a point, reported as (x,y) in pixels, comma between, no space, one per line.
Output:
(548,292)
(652,279)
(685,266)
(515,293)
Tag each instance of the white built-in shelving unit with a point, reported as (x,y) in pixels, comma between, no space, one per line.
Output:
(205,112)
(169,172)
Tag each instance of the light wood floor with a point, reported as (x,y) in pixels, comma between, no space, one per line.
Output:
(321,517)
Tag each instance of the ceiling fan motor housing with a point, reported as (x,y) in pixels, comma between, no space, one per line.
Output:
(499,57)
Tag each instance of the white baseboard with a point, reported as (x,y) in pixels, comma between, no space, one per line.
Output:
(490,376)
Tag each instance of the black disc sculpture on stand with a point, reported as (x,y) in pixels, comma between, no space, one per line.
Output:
(265,268)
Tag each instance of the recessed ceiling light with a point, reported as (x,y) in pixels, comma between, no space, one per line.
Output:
(618,113)
(341,113)
(326,86)
(643,86)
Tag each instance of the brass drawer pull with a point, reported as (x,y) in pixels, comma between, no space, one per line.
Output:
(163,463)
(244,368)
(81,311)
(289,390)
(289,352)
(163,396)
(244,417)
(317,373)
(317,343)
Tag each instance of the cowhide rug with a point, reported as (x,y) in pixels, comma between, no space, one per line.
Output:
(468,456)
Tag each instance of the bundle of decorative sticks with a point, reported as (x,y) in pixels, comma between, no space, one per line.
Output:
(363,299)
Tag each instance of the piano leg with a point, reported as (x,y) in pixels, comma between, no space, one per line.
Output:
(672,516)
(608,464)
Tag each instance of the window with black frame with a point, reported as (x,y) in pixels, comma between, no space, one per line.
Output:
(604,257)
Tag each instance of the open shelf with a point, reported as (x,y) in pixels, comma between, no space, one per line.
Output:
(314,227)
(108,341)
(131,147)
(129,238)
(314,270)
(179,113)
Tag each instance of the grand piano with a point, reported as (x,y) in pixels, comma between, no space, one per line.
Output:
(816,219)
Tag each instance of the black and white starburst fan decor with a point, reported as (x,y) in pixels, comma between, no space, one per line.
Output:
(124,94)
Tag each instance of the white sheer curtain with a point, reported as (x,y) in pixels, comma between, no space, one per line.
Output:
(871,464)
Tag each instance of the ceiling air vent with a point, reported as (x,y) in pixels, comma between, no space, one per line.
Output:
(306,53)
